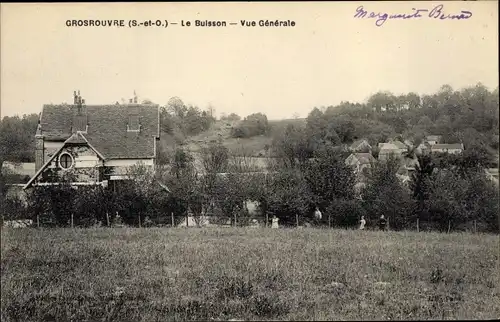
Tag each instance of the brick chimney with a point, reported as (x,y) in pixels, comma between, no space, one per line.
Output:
(80,120)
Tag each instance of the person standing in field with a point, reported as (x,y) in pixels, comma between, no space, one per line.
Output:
(317,214)
(382,222)
(362,223)
(274,222)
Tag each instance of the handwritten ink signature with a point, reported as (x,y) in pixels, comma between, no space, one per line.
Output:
(434,13)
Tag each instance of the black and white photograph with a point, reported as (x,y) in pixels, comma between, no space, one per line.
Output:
(249,161)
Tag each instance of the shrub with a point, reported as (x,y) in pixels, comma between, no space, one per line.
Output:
(253,125)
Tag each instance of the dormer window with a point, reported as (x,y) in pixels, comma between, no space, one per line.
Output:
(133,124)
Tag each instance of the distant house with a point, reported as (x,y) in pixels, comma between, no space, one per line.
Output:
(433,139)
(427,143)
(360,146)
(94,144)
(454,148)
(387,149)
(360,161)
(399,144)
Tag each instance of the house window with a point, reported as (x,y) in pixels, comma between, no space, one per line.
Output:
(66,161)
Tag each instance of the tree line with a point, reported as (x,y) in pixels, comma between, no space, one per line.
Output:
(469,116)
(445,193)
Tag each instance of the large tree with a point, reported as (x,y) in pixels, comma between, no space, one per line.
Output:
(329,178)
(291,147)
(385,195)
(17,138)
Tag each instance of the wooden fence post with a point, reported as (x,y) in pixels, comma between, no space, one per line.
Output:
(139,221)
(107,219)
(172,218)
(418,228)
(37,220)
(72,220)
(187,219)
(329,221)
(267,219)
(449,226)
(235,219)
(297,220)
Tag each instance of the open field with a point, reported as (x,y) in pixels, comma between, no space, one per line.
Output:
(247,274)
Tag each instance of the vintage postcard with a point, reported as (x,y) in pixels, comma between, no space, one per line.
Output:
(240,161)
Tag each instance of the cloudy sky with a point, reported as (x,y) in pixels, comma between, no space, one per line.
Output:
(329,55)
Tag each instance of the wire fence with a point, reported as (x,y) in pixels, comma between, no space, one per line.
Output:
(256,220)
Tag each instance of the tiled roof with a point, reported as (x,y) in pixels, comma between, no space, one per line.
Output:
(447,146)
(399,145)
(356,143)
(107,128)
(364,158)
(381,145)
(387,147)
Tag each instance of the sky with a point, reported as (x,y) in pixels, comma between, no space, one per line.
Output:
(329,56)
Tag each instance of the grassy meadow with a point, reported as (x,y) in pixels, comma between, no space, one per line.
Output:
(246,274)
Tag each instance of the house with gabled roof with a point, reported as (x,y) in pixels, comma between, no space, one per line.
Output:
(399,144)
(361,145)
(94,144)
(360,161)
(391,148)
(454,148)
(433,139)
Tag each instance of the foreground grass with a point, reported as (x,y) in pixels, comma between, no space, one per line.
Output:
(247,274)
